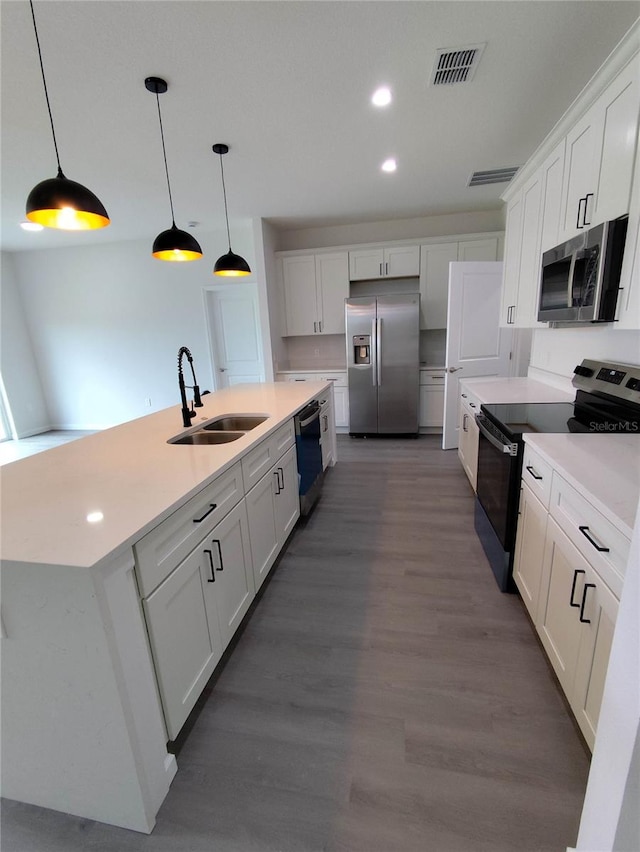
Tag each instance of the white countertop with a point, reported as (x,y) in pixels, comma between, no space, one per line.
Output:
(130,474)
(496,389)
(604,468)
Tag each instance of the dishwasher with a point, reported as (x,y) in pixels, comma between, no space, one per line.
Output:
(309,455)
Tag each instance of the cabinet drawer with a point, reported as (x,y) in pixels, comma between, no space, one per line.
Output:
(537,474)
(470,401)
(432,377)
(160,550)
(605,547)
(261,458)
(338,379)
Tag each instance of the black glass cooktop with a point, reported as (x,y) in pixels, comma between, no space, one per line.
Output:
(589,413)
(516,418)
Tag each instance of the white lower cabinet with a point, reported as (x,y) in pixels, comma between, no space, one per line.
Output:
(576,623)
(532,528)
(185,637)
(468,438)
(273,507)
(198,571)
(431,405)
(573,609)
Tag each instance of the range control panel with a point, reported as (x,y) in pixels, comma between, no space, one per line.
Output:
(619,380)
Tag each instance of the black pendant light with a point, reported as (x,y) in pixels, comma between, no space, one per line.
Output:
(172,244)
(59,202)
(229,265)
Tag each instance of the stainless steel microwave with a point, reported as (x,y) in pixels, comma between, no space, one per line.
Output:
(580,279)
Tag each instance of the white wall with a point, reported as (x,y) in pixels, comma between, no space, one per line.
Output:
(18,367)
(271,309)
(394,229)
(556,351)
(107,322)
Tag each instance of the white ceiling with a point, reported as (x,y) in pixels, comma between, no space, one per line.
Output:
(286,85)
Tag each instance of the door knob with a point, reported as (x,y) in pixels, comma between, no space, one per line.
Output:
(223,369)
(454,369)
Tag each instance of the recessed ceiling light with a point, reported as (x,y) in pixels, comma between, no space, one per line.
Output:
(389,165)
(31,226)
(95,517)
(381,97)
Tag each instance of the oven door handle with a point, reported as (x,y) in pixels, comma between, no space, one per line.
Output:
(508,448)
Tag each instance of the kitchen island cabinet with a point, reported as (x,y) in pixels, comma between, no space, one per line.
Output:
(83,728)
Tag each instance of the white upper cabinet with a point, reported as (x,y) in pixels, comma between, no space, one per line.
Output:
(551,174)
(434,274)
(599,157)
(478,250)
(315,287)
(332,288)
(390,262)
(434,283)
(582,175)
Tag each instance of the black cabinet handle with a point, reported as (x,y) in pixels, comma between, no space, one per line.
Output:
(281,474)
(533,473)
(578,225)
(212,506)
(216,541)
(212,578)
(598,547)
(275,473)
(584,600)
(463,395)
(586,205)
(573,587)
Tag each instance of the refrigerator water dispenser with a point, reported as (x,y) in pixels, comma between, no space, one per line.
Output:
(361,348)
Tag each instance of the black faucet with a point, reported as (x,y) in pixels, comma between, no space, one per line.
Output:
(187,414)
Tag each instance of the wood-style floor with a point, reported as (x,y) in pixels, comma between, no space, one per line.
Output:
(384,696)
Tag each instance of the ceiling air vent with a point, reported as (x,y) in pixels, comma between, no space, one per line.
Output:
(492,176)
(456,64)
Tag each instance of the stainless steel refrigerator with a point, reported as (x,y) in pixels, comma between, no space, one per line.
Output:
(383,355)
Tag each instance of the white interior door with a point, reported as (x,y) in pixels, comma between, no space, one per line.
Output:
(476,345)
(233,321)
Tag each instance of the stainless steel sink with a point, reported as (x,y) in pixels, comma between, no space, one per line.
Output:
(206,438)
(234,422)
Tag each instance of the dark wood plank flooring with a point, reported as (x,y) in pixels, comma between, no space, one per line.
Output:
(384,696)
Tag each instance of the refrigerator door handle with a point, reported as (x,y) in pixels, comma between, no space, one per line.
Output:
(374,351)
(379,350)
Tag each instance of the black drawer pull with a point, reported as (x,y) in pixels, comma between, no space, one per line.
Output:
(212,578)
(275,473)
(573,587)
(216,541)
(584,600)
(533,473)
(598,547)
(212,506)
(586,205)
(281,478)
(578,225)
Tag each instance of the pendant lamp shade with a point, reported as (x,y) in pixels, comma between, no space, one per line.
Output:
(230,265)
(173,244)
(59,202)
(62,203)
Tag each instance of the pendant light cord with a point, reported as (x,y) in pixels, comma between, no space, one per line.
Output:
(164,153)
(46,93)
(224,195)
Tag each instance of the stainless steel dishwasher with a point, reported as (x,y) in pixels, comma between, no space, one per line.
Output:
(309,453)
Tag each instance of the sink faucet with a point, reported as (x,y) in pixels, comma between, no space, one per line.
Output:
(187,414)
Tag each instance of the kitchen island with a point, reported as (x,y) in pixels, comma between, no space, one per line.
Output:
(83,727)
